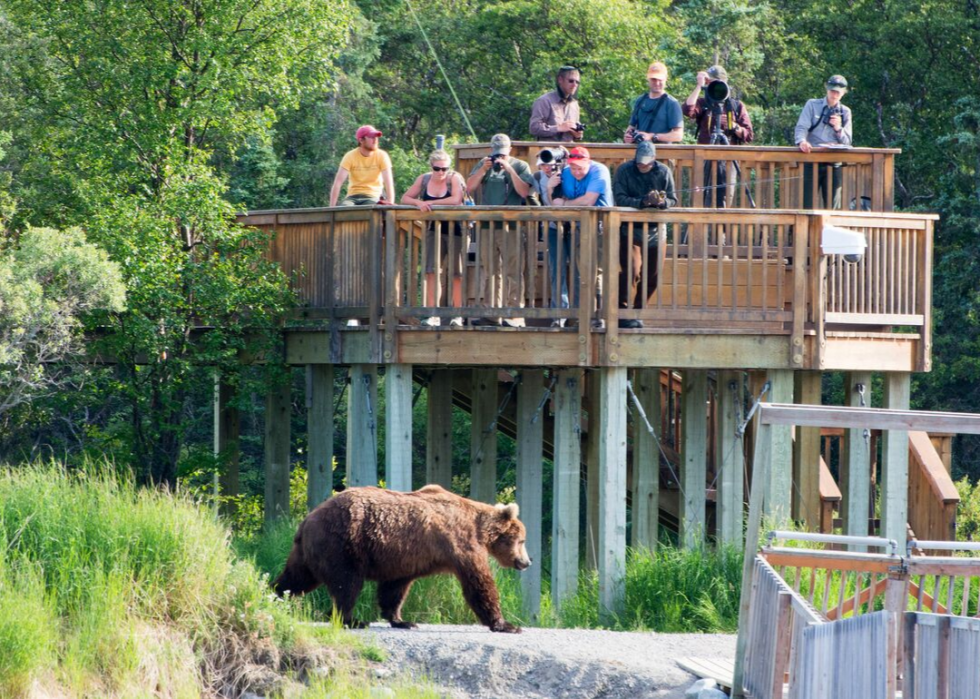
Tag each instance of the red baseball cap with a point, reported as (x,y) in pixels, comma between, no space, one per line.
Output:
(366,131)
(579,153)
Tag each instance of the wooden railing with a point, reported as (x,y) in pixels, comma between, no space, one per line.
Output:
(763,177)
(933,498)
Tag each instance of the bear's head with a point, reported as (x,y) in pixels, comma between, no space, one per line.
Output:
(506,538)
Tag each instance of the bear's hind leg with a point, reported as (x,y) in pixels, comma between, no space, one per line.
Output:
(344,590)
(391,596)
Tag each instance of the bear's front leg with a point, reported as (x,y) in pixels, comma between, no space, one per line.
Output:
(481,594)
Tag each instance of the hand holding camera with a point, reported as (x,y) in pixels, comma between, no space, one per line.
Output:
(497,161)
(655,199)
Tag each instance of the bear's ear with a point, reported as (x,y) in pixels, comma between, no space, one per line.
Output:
(511,511)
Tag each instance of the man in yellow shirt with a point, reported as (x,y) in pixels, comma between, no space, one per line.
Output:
(369,170)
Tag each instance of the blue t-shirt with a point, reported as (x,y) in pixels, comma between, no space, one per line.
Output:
(656,116)
(597,179)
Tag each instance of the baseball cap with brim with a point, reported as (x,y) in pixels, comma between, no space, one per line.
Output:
(836,82)
(500,144)
(716,72)
(646,153)
(367,131)
(579,153)
(657,70)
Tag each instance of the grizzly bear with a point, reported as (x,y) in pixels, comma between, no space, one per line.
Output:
(393,538)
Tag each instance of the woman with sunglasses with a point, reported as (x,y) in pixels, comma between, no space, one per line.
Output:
(441,186)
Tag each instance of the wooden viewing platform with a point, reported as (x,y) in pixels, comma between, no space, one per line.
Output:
(731,300)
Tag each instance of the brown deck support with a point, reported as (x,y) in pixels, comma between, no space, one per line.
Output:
(806,455)
(439,431)
(530,481)
(567,484)
(398,427)
(731,460)
(227,448)
(319,428)
(483,435)
(612,496)
(694,457)
(646,460)
(856,463)
(895,463)
(362,426)
(277,435)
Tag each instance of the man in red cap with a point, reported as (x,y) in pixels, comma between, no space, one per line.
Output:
(369,170)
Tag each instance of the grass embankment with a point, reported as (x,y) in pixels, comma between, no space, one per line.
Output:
(669,590)
(111,591)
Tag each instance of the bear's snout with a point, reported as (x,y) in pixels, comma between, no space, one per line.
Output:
(523,561)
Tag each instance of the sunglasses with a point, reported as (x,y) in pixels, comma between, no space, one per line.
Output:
(573,82)
(436,168)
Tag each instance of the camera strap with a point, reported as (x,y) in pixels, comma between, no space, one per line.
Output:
(635,118)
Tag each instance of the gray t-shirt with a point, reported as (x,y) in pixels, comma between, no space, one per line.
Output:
(822,134)
(497,189)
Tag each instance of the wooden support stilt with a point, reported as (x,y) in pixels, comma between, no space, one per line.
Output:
(780,486)
(362,426)
(530,481)
(856,479)
(319,428)
(806,455)
(227,449)
(731,460)
(439,431)
(567,474)
(694,456)
(277,434)
(398,427)
(895,463)
(646,460)
(612,495)
(592,472)
(483,436)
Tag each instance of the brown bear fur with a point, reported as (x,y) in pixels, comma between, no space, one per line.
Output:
(393,538)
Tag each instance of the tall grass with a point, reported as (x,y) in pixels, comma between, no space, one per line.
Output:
(669,590)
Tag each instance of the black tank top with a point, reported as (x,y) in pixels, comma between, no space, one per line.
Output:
(425,189)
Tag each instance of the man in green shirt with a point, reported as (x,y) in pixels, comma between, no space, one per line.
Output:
(500,180)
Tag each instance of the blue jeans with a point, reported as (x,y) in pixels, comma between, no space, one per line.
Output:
(559,271)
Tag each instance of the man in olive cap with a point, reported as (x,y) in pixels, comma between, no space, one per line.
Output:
(824,123)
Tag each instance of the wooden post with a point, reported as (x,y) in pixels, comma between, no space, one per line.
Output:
(806,455)
(319,433)
(398,427)
(895,463)
(567,476)
(731,462)
(694,456)
(761,464)
(780,485)
(227,449)
(277,435)
(856,483)
(592,473)
(612,496)
(439,431)
(362,426)
(646,460)
(530,481)
(483,436)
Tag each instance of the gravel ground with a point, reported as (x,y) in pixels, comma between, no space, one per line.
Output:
(469,661)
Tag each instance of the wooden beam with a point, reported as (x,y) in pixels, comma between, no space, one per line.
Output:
(612,496)
(592,472)
(319,433)
(731,460)
(439,430)
(779,495)
(483,435)
(398,427)
(806,455)
(227,449)
(567,484)
(872,418)
(694,457)
(895,464)
(362,426)
(530,481)
(856,462)
(646,459)
(277,435)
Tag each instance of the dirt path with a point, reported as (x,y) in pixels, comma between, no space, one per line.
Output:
(469,661)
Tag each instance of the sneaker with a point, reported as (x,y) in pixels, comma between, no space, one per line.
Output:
(513,322)
(630,323)
(485,322)
(456,322)
(432,322)
(353,323)
(558,323)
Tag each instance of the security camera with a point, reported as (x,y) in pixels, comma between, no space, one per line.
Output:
(835,240)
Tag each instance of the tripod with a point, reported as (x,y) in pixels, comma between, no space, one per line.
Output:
(718,138)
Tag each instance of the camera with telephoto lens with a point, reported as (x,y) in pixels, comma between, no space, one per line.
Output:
(556,157)
(716,92)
